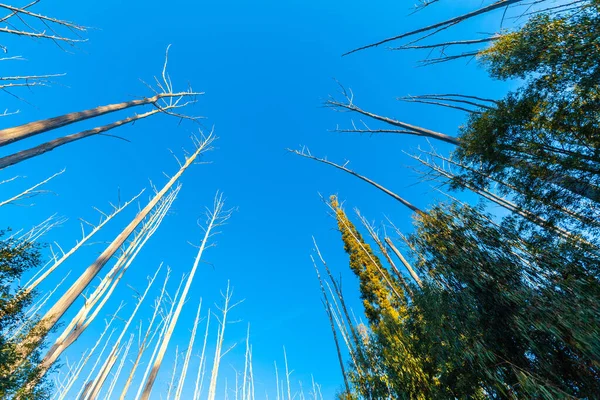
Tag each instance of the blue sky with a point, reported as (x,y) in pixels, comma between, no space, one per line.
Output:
(266,68)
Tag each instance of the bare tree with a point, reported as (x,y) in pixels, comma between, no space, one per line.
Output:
(188,354)
(98,298)
(61,306)
(215,218)
(165,101)
(202,363)
(118,372)
(166,320)
(219,353)
(97,384)
(148,336)
(87,357)
(328,310)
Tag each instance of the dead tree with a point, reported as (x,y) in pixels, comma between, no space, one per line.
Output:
(148,336)
(404,262)
(165,101)
(97,385)
(188,354)
(88,356)
(219,353)
(329,312)
(98,298)
(118,372)
(437,27)
(383,250)
(55,313)
(215,218)
(202,363)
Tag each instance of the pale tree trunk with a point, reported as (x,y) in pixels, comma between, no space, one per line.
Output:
(60,307)
(287,375)
(118,372)
(45,23)
(11,135)
(87,382)
(50,145)
(124,329)
(148,337)
(406,264)
(188,354)
(174,373)
(202,366)
(216,217)
(166,321)
(103,374)
(219,354)
(105,289)
(87,358)
(328,310)
(277,380)
(574,185)
(383,250)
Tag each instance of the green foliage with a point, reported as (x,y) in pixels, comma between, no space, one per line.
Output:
(388,364)
(509,309)
(493,320)
(15,259)
(543,140)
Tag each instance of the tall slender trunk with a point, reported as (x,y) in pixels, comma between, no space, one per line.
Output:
(104,290)
(406,264)
(214,218)
(188,354)
(148,336)
(11,135)
(202,365)
(574,185)
(333,330)
(50,145)
(50,319)
(383,250)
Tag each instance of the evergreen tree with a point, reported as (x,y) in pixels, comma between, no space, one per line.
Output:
(388,364)
(543,139)
(16,258)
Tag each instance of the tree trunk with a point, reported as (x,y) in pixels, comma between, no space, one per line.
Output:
(11,135)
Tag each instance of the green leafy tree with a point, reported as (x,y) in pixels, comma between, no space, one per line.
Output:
(16,258)
(544,138)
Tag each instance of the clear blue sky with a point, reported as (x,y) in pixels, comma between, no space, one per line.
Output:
(266,67)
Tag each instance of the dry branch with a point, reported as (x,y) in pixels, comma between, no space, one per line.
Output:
(440,25)
(32,191)
(29,286)
(343,168)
